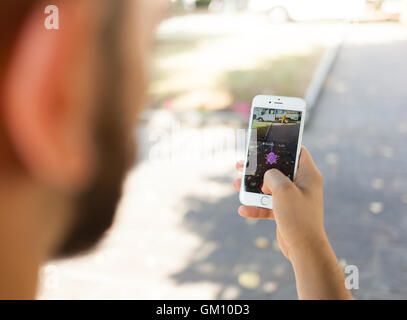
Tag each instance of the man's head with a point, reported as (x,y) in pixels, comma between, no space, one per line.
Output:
(68,103)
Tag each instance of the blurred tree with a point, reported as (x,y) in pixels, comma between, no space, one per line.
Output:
(203,3)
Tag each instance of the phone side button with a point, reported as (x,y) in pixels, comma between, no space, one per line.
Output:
(265,200)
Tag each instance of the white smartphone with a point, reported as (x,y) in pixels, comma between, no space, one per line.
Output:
(274,141)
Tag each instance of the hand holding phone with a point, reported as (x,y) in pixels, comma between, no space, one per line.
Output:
(299,215)
(297,206)
(297,197)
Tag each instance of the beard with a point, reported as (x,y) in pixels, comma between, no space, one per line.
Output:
(95,208)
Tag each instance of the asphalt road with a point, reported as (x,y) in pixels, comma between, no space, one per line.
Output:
(358,138)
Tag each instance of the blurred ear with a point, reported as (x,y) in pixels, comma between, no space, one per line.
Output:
(46,111)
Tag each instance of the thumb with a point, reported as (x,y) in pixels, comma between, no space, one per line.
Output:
(277,184)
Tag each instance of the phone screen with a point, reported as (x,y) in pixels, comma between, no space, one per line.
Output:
(273,144)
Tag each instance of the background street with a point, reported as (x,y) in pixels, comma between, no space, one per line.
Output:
(357,137)
(178,235)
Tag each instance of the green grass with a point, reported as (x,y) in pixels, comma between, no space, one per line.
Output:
(257,124)
(183,63)
(283,76)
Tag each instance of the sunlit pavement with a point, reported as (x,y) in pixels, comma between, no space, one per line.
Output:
(178,236)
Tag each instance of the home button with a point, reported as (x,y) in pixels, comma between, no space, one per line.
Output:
(265,200)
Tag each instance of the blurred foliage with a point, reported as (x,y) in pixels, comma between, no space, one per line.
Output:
(203,3)
(284,76)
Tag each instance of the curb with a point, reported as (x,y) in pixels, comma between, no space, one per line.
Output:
(318,80)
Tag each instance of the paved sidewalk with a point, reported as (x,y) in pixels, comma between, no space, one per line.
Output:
(189,243)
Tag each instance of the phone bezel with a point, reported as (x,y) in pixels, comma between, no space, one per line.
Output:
(278,103)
